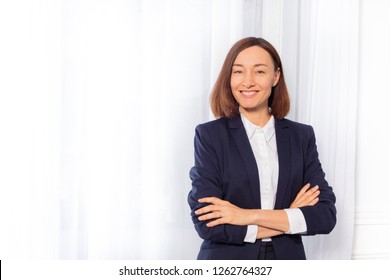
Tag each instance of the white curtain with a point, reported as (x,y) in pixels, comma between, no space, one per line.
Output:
(99,100)
(98,105)
(318,42)
(326,96)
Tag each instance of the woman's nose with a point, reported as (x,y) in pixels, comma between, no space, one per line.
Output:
(248,81)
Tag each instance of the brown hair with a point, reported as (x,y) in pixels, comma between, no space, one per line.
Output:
(222,101)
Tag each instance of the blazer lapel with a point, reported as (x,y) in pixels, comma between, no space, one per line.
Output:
(242,143)
(284,155)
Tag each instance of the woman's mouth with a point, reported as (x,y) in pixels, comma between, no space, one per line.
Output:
(248,93)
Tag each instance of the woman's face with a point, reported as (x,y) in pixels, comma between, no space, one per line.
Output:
(252,79)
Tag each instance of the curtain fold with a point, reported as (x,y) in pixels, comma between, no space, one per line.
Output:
(320,55)
(99,102)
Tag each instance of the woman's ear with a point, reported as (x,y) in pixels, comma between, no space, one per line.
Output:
(276,78)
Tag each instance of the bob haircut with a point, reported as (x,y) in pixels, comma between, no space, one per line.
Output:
(222,101)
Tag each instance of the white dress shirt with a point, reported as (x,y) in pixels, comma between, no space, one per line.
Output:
(263,144)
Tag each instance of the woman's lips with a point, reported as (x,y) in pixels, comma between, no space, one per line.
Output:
(248,93)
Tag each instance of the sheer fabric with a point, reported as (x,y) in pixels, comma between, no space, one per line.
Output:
(98,105)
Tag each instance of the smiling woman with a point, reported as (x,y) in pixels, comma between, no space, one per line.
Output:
(250,67)
(98,100)
(257,183)
(253,76)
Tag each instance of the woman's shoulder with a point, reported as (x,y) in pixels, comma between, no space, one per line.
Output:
(213,125)
(295,126)
(213,129)
(288,122)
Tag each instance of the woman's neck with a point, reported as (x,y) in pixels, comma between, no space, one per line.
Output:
(257,117)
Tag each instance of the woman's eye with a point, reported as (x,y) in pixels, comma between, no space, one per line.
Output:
(237,71)
(260,72)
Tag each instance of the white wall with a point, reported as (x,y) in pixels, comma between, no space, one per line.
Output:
(372,219)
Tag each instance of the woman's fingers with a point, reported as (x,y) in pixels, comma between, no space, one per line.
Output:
(216,205)
(209,216)
(215,223)
(306,196)
(303,190)
(206,209)
(220,212)
(210,212)
(314,201)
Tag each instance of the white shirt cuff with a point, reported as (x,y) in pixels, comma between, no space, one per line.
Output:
(296,220)
(251,234)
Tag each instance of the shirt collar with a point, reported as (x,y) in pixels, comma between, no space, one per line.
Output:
(268,129)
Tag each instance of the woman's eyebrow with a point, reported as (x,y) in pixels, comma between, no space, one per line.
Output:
(256,65)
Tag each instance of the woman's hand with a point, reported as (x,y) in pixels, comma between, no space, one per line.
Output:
(306,197)
(223,211)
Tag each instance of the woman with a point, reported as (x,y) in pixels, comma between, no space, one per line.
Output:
(257,183)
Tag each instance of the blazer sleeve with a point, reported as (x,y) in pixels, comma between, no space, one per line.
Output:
(207,181)
(320,218)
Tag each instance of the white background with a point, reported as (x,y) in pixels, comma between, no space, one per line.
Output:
(99,101)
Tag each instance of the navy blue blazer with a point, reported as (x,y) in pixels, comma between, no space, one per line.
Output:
(225,167)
